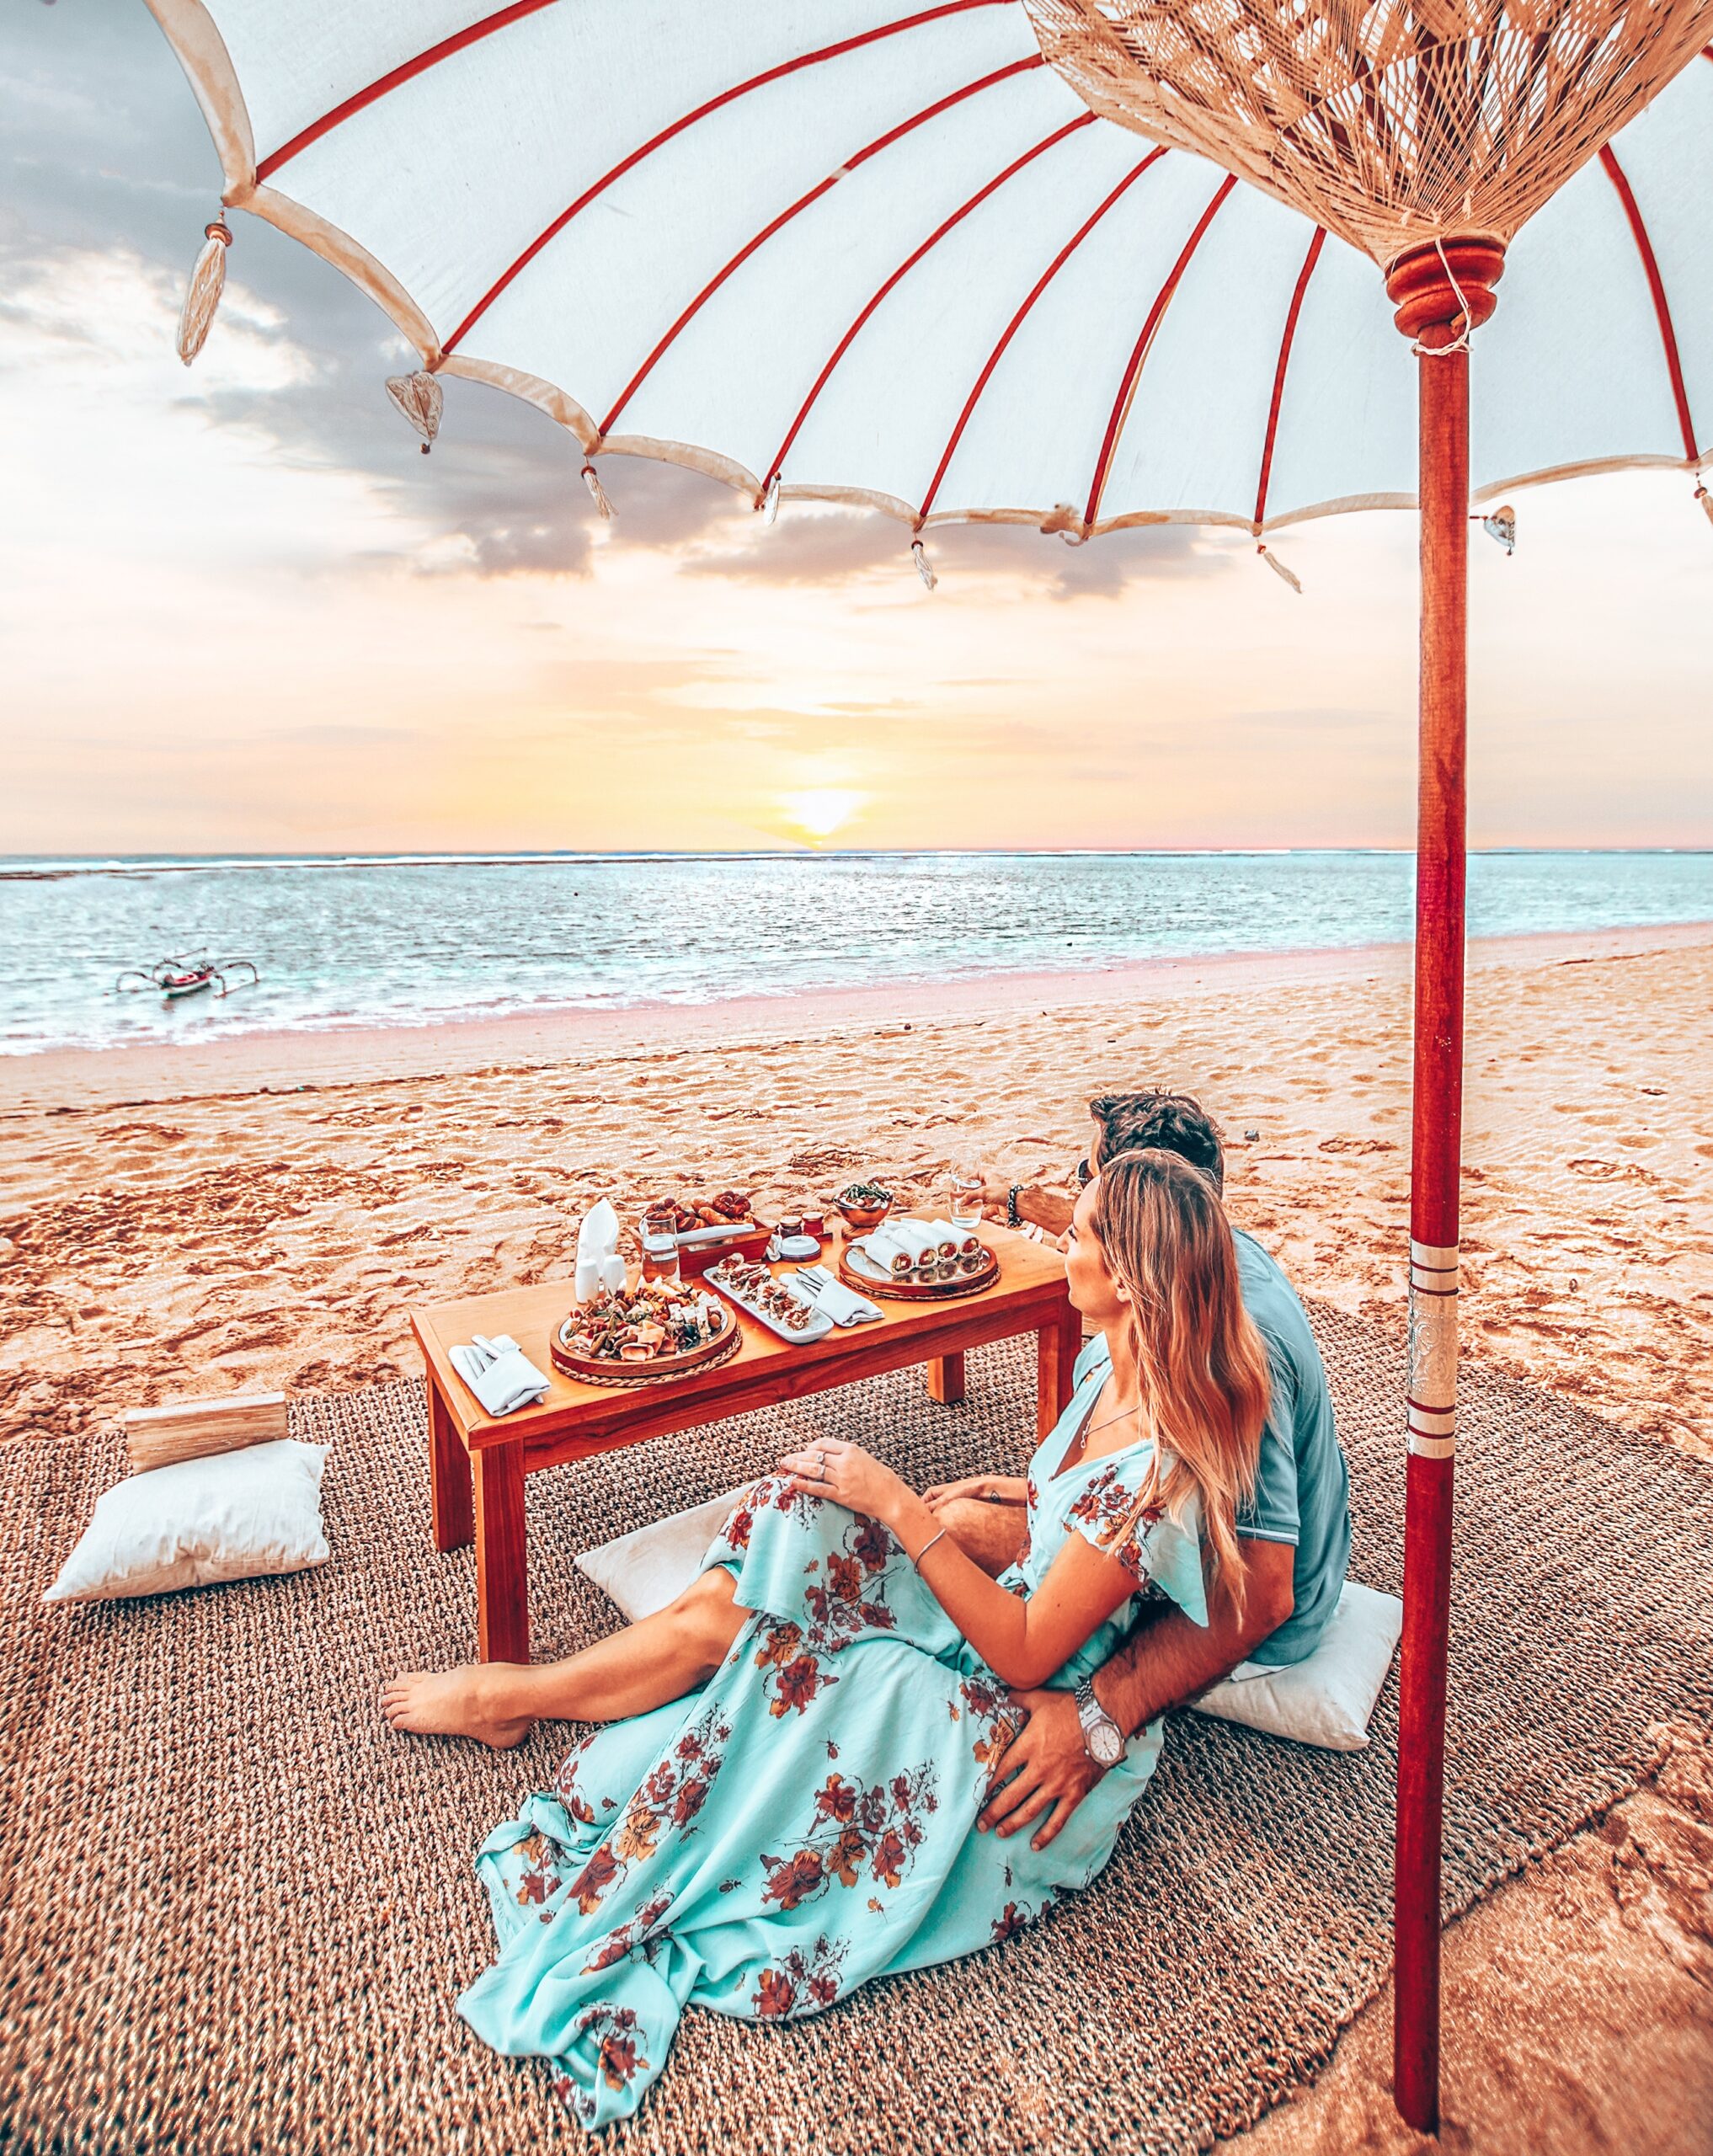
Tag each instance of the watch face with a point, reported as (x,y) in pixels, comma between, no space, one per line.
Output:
(1106,1744)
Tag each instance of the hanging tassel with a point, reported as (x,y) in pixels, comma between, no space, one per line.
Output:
(1704,498)
(419,397)
(202,294)
(770,501)
(1277,567)
(925,568)
(1067,525)
(597,492)
(1502,524)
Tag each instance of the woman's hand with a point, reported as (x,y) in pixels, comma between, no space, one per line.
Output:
(848,1475)
(1010,1489)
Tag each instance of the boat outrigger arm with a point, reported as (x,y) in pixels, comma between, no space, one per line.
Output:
(189,974)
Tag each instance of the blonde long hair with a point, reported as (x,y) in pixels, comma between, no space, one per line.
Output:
(1201,1364)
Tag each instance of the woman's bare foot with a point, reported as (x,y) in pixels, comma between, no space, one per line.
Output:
(464,1702)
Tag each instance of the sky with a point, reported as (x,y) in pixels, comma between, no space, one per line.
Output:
(238,612)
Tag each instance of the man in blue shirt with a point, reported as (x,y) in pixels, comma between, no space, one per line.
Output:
(1295,1531)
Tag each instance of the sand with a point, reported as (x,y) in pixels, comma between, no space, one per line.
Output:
(184,1222)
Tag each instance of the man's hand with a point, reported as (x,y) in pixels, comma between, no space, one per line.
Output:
(995,1189)
(1045,1768)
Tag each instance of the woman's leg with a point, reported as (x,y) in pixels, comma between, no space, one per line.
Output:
(662,1658)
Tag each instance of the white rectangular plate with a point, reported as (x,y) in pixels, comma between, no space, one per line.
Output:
(818,1326)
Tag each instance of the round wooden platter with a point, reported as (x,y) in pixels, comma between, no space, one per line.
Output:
(660,1370)
(918,1291)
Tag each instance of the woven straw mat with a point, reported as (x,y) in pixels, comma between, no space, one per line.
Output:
(235,1911)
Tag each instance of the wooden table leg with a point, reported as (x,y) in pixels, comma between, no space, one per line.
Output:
(449,1494)
(502,1569)
(945,1379)
(1058,1346)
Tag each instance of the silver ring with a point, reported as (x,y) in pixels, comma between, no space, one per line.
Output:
(820,1464)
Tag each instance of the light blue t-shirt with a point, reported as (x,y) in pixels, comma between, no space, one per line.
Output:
(1302,1488)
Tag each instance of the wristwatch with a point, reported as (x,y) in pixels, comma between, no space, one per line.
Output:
(1013,1219)
(1102,1738)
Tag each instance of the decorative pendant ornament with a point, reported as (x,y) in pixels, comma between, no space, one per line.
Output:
(1277,567)
(420,397)
(202,294)
(597,492)
(770,501)
(925,568)
(1501,523)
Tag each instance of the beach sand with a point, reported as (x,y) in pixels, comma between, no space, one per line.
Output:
(263,1212)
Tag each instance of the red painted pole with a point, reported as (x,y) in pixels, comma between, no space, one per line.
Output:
(1441,295)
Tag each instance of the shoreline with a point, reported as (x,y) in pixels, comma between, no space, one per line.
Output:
(286,1059)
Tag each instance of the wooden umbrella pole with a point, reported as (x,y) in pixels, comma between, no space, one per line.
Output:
(1442,294)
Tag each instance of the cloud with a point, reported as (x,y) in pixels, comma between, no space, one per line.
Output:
(109,176)
(812,545)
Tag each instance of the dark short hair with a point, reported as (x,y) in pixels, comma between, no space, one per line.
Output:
(1170,1123)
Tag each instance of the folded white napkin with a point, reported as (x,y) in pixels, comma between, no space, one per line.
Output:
(843,1305)
(499,1373)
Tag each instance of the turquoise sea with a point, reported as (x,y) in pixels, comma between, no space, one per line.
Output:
(409,940)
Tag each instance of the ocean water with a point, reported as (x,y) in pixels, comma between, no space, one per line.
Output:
(401,942)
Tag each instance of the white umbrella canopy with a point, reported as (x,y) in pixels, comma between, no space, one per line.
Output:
(879,253)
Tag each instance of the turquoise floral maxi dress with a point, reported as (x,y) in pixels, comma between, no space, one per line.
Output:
(807,1819)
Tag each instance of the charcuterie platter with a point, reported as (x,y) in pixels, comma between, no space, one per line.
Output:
(644,1336)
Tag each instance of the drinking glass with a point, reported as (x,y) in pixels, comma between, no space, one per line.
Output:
(660,1250)
(966,1203)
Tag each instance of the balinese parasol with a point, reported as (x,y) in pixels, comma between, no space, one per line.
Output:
(915,256)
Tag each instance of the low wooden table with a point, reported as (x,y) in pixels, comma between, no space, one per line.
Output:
(477,1462)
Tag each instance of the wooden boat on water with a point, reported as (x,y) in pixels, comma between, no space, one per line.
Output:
(189,974)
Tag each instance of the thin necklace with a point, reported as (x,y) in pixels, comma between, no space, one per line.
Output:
(1089,1429)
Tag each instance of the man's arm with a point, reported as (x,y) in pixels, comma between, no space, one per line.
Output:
(1166,1658)
(1048,1208)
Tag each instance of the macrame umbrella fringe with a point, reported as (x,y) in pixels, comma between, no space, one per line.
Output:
(202,294)
(1704,498)
(421,399)
(770,501)
(1500,524)
(925,568)
(1277,567)
(597,492)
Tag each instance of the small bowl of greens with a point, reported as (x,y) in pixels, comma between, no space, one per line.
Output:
(864,1205)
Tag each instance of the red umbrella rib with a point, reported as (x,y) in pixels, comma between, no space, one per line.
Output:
(1132,372)
(814,194)
(1661,306)
(404,73)
(665,134)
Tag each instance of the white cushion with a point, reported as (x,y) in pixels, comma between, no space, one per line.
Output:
(232,1515)
(651,1566)
(1328,1699)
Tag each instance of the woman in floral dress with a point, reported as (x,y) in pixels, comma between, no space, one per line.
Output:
(784,1802)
